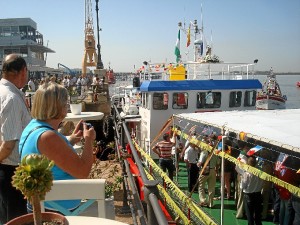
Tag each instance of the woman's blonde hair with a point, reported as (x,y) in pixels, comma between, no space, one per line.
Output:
(49,101)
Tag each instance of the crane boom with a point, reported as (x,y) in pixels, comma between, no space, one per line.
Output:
(67,68)
(90,56)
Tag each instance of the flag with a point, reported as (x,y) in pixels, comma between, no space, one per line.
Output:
(188,37)
(201,48)
(242,157)
(219,149)
(252,151)
(177,48)
(220,146)
(280,161)
(193,129)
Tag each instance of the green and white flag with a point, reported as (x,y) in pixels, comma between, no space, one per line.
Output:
(177,48)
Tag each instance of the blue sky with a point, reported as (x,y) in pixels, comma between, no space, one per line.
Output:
(137,30)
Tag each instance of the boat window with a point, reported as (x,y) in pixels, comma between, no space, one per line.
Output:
(180,100)
(250,98)
(208,100)
(160,101)
(235,99)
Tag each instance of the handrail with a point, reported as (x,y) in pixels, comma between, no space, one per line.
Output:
(155,215)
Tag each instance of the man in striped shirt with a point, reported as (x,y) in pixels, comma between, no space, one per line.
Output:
(164,150)
(14,116)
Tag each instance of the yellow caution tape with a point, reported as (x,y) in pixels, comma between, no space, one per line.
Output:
(187,201)
(170,201)
(264,176)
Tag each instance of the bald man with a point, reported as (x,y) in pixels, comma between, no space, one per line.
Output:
(14,116)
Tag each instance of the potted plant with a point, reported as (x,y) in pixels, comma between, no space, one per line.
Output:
(33,177)
(75,101)
(110,188)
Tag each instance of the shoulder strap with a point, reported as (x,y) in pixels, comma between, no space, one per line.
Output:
(38,127)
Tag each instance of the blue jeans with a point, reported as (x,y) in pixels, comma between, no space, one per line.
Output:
(276,205)
(167,164)
(284,214)
(295,205)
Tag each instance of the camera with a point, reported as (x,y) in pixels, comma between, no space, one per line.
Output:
(88,125)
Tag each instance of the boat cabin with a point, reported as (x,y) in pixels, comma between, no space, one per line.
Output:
(163,98)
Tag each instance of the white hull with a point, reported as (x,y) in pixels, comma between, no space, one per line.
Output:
(270,103)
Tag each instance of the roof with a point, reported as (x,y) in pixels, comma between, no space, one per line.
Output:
(166,85)
(278,127)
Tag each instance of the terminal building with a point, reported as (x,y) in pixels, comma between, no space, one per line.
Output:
(20,35)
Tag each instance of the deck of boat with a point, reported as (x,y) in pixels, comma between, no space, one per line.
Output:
(215,212)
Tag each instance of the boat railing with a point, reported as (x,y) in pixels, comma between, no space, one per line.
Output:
(199,71)
(155,215)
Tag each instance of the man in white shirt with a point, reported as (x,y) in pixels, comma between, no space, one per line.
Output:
(252,186)
(31,85)
(191,157)
(14,116)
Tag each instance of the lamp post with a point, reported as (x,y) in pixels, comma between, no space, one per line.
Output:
(99,62)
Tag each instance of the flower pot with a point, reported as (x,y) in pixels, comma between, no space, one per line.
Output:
(76,108)
(46,217)
(110,208)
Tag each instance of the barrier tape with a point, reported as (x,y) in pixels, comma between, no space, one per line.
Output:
(170,202)
(263,175)
(190,204)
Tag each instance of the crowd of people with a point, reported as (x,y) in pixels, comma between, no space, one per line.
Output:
(23,132)
(254,197)
(79,82)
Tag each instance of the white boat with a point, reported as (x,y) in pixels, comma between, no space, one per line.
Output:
(127,99)
(270,97)
(205,84)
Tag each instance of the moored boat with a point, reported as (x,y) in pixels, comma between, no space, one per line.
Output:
(270,97)
(205,84)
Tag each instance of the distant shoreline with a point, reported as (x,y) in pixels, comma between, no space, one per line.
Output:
(278,73)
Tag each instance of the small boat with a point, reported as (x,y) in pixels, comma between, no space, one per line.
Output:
(270,97)
(298,84)
(127,99)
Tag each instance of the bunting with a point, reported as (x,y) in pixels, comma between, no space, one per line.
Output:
(253,150)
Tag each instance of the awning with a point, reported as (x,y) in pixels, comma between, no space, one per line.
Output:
(165,85)
(277,127)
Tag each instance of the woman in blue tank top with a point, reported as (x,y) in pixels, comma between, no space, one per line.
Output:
(41,136)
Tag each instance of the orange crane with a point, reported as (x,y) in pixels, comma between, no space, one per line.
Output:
(90,58)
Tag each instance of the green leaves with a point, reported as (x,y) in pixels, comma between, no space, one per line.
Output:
(33,176)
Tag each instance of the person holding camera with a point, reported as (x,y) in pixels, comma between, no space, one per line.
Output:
(41,136)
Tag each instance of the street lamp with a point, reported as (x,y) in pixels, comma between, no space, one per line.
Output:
(99,62)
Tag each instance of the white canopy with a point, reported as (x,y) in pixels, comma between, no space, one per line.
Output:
(278,127)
